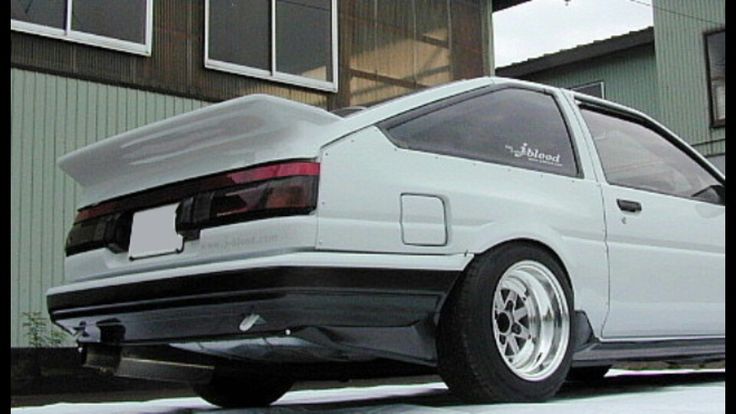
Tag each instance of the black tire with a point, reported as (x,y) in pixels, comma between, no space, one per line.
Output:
(469,359)
(587,374)
(236,392)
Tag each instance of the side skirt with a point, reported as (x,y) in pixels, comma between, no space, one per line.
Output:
(591,351)
(680,350)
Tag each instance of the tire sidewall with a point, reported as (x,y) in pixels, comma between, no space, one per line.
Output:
(229,391)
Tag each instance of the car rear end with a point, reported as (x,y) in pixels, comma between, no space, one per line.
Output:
(197,237)
(221,172)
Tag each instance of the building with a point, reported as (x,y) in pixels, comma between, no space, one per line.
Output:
(82,71)
(621,68)
(674,71)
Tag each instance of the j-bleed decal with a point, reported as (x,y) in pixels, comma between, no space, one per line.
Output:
(535,155)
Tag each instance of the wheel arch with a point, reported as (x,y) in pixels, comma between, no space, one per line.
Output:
(521,241)
(513,241)
(532,242)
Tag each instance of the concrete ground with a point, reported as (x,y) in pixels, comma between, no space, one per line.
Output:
(621,392)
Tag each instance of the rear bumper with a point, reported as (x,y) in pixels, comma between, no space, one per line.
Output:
(383,312)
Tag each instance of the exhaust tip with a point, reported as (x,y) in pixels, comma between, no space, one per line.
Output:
(249,322)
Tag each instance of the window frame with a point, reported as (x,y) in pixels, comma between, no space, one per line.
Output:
(273,74)
(644,122)
(399,119)
(714,123)
(585,85)
(76,36)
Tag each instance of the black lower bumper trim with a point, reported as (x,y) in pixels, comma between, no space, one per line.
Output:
(265,280)
(213,306)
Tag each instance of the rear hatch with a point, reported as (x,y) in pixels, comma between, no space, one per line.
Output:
(149,191)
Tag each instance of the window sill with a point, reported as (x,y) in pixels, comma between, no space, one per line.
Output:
(271,76)
(82,38)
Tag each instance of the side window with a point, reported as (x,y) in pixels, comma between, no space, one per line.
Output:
(596,89)
(514,127)
(635,156)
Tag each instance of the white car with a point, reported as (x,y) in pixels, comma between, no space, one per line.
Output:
(505,234)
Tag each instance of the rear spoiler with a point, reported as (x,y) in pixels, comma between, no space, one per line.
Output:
(233,134)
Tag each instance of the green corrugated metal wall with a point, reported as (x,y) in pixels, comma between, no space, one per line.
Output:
(678,31)
(629,77)
(50,116)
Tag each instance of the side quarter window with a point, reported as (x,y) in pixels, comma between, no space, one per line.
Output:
(516,127)
(636,156)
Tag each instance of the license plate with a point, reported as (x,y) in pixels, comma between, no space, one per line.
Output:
(154,233)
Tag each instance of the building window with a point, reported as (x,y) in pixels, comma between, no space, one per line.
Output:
(120,25)
(715,44)
(593,89)
(49,13)
(94,17)
(290,41)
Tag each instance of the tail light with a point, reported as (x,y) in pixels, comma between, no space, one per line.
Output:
(269,198)
(273,190)
(111,231)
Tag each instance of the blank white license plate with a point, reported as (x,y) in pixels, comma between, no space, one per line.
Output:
(154,233)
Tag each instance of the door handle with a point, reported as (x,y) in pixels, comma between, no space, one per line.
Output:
(629,206)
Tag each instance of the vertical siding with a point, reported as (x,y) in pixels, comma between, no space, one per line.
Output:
(50,116)
(681,65)
(390,48)
(629,77)
(16,122)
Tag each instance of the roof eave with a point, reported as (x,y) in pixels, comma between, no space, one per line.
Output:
(579,53)
(505,4)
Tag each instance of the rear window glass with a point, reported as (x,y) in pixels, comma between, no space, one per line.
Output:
(514,127)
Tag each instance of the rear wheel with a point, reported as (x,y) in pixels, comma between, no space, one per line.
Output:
(505,332)
(234,392)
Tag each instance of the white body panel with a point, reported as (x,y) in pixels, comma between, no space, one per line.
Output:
(486,204)
(453,209)
(667,264)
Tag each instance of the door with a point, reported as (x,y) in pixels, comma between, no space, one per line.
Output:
(665,222)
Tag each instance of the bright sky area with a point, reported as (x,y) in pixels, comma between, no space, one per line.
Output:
(538,27)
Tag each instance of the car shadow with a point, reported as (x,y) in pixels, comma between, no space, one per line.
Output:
(437,399)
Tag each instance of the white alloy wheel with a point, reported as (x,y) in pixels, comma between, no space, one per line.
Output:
(530,318)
